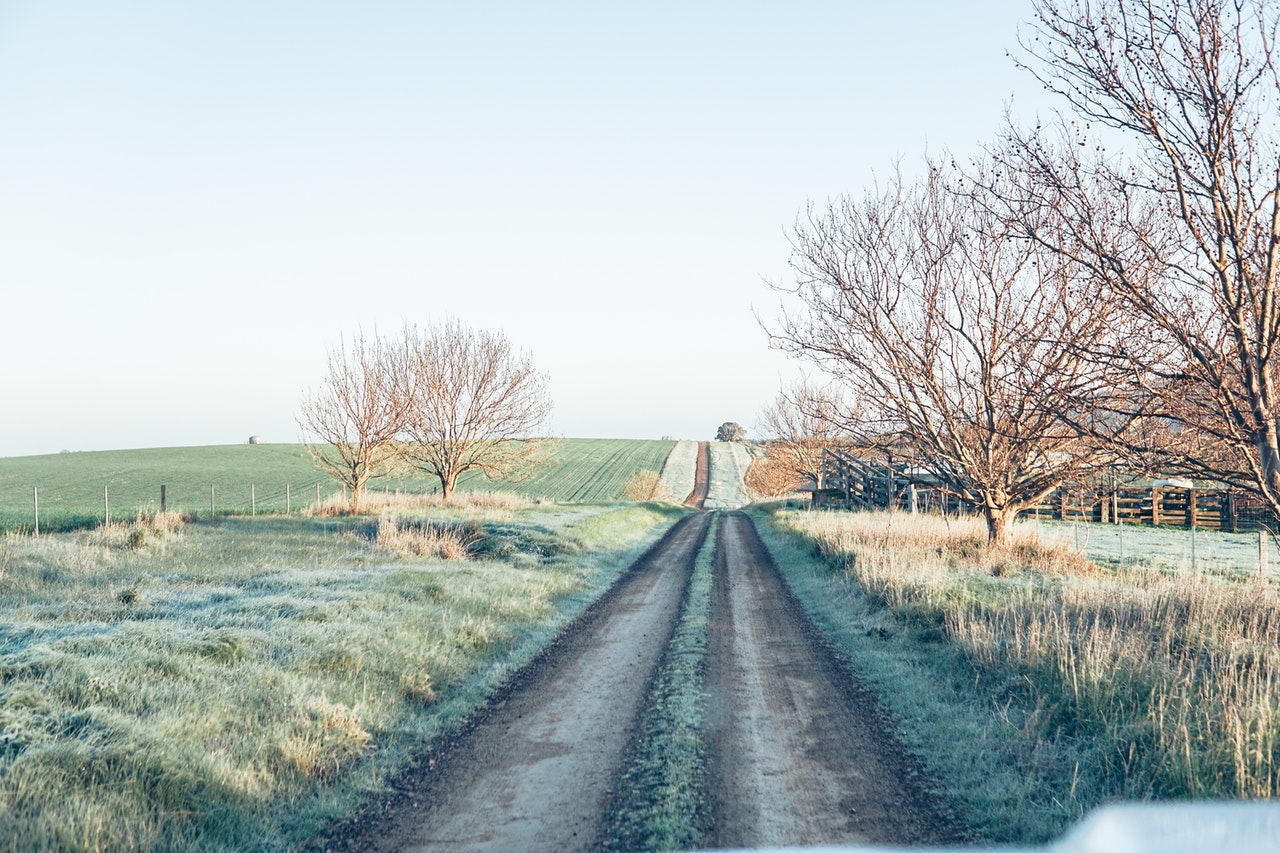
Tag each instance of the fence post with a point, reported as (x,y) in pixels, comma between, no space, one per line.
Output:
(1262,553)
(212,502)
(106,506)
(1156,495)
(164,498)
(35,500)
(1191,511)
(1120,525)
(287,500)
(253,500)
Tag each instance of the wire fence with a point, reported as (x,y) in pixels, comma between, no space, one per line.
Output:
(61,507)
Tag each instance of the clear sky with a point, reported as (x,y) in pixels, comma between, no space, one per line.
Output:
(198,199)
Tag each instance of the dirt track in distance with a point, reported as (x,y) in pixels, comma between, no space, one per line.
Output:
(797,752)
(701,477)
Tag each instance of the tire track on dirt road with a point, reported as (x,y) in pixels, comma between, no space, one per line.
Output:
(799,754)
(701,477)
(534,771)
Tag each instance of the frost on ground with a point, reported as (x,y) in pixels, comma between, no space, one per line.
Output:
(678,471)
(729,463)
(1168,548)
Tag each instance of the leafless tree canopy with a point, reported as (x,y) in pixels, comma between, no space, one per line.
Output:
(950,328)
(357,415)
(802,422)
(447,400)
(1183,221)
(478,404)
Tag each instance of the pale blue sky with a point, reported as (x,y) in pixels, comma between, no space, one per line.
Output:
(197,199)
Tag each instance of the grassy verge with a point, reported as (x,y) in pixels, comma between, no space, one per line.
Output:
(662,807)
(1036,685)
(233,685)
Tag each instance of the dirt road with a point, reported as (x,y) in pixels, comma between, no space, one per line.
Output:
(797,754)
(800,755)
(701,477)
(535,772)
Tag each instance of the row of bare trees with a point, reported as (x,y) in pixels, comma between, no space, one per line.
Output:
(442,401)
(1099,290)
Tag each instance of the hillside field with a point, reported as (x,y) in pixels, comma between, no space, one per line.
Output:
(269,478)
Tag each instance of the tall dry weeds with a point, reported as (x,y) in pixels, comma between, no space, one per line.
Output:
(1173,679)
(143,531)
(382,502)
(445,540)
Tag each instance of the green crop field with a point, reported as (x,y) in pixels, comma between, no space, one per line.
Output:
(587,470)
(76,489)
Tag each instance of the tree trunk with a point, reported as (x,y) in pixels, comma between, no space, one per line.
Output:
(357,496)
(448,482)
(999,525)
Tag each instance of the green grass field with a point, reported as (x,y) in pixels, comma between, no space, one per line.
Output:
(272,476)
(235,683)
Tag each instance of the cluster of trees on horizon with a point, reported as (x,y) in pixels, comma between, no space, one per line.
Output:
(1099,290)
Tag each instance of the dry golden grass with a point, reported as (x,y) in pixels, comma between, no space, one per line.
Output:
(443,539)
(1173,680)
(381,502)
(647,486)
(142,531)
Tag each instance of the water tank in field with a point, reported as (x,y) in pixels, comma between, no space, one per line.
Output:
(255,439)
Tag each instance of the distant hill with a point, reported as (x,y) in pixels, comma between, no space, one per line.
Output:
(71,485)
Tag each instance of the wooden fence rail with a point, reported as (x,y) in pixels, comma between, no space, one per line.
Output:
(861,484)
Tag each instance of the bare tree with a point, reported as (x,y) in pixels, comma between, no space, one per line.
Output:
(772,476)
(1184,222)
(950,330)
(804,421)
(356,416)
(478,405)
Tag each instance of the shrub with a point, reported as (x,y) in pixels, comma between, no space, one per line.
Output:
(429,539)
(647,486)
(139,533)
(772,476)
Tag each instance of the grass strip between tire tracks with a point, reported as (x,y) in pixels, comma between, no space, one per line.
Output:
(660,804)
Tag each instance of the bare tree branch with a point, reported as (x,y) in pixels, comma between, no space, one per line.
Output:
(356,416)
(478,405)
(949,328)
(1185,226)
(802,422)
